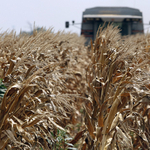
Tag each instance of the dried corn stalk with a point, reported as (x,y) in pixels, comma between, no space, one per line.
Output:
(117,79)
(45,78)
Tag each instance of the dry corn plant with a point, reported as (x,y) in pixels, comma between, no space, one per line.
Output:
(118,114)
(45,79)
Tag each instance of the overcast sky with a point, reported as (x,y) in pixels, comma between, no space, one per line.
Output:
(21,14)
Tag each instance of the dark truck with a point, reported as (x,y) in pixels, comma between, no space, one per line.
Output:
(129,20)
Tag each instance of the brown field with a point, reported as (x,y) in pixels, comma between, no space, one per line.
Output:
(63,95)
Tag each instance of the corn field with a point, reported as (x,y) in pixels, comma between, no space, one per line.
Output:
(61,94)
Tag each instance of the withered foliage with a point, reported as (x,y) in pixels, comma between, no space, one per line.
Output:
(118,116)
(54,83)
(43,74)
